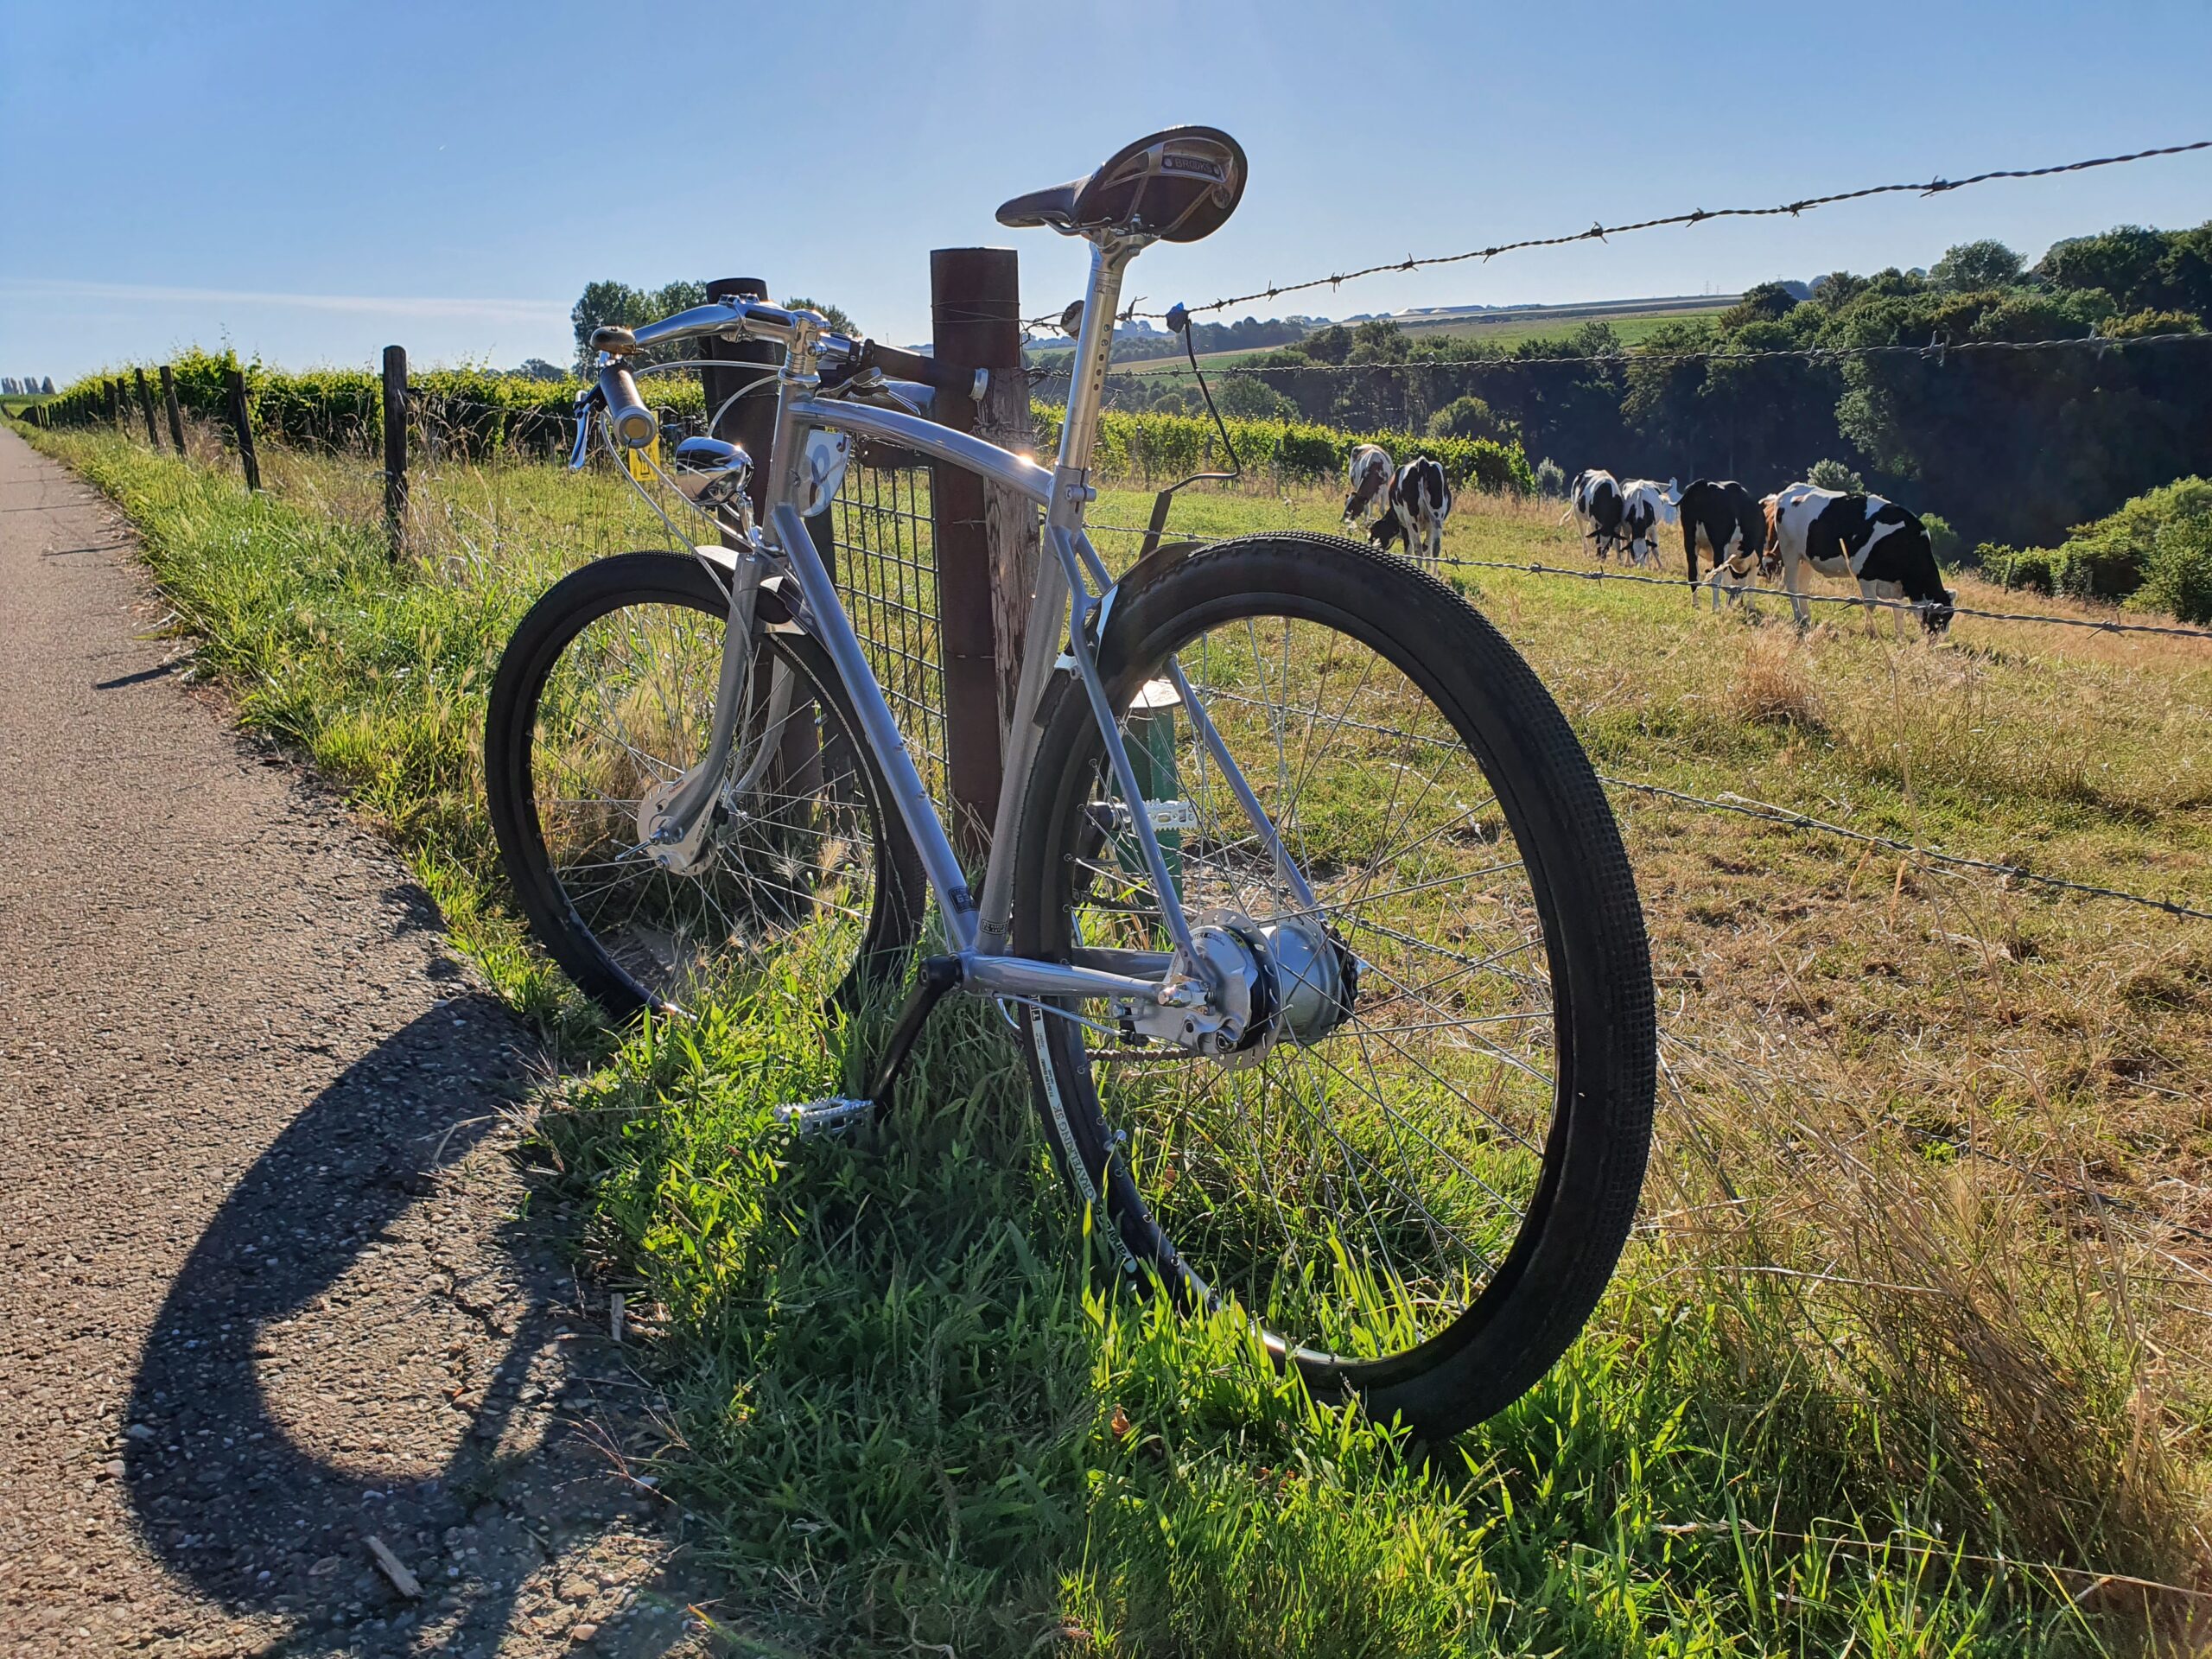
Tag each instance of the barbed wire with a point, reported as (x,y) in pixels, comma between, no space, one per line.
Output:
(1936,349)
(2097,625)
(1767,812)
(1600,232)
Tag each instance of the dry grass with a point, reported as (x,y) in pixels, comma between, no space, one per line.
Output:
(1937,1147)
(1772,687)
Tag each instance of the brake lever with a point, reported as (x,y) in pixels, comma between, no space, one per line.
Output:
(587,403)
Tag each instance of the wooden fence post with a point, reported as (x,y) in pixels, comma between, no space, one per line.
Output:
(986,552)
(751,421)
(176,415)
(114,401)
(242,424)
(146,402)
(395,449)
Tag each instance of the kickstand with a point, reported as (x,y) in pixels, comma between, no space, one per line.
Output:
(938,976)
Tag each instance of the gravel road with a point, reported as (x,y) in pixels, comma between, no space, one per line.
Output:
(269,1283)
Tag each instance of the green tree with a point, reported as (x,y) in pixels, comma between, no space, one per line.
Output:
(841,321)
(1248,398)
(1834,475)
(2123,262)
(1972,266)
(622,306)
(1329,345)
(1761,303)
(1469,416)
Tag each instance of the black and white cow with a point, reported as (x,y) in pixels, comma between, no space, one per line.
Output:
(1595,502)
(1877,542)
(1370,470)
(1721,516)
(1646,508)
(1420,503)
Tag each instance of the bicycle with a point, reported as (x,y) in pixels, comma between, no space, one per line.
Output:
(1364,1044)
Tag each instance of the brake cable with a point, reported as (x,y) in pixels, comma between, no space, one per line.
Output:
(1179,320)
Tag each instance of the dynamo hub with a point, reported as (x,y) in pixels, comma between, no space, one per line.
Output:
(1288,980)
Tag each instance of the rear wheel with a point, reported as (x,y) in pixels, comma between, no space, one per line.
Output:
(1418,1166)
(801,875)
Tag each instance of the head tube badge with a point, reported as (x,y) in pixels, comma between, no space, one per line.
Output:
(827,455)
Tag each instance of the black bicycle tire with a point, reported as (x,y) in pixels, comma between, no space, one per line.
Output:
(546,630)
(1584,1206)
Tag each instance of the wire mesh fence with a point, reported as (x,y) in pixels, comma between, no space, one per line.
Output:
(883,553)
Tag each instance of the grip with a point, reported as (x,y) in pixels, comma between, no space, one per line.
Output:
(633,424)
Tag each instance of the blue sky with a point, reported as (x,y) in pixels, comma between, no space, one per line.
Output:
(307,181)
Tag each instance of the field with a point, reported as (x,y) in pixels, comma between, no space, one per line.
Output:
(1909,1355)
(1634,326)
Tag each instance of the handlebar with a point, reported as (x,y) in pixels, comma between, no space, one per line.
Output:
(736,319)
(633,424)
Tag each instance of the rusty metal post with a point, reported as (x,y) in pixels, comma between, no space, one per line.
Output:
(976,317)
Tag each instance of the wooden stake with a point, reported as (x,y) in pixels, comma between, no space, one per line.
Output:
(976,309)
(242,425)
(176,415)
(146,402)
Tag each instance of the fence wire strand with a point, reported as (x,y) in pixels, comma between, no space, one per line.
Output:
(1745,807)
(2093,624)
(1937,350)
(1598,232)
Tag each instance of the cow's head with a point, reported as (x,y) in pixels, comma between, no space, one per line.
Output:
(1770,553)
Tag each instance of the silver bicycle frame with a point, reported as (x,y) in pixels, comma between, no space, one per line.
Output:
(1063,608)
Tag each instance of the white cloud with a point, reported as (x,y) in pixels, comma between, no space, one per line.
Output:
(491,310)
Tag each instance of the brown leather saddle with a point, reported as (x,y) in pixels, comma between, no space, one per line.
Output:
(1177,186)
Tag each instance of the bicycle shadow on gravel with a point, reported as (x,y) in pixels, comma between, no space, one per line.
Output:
(374,1337)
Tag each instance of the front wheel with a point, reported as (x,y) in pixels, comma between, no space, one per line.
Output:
(1418,1166)
(798,876)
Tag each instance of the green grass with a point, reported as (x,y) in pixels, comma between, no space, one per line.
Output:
(1512,328)
(1877,1376)
(1633,328)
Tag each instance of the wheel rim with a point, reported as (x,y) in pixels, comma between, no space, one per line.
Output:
(782,883)
(1357,1193)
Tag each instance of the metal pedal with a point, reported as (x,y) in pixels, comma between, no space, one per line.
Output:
(823,1116)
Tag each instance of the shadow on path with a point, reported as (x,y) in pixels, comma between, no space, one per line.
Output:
(334,1361)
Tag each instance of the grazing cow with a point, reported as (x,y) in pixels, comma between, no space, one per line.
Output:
(1420,503)
(1721,514)
(1371,471)
(1877,542)
(1645,507)
(1596,504)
